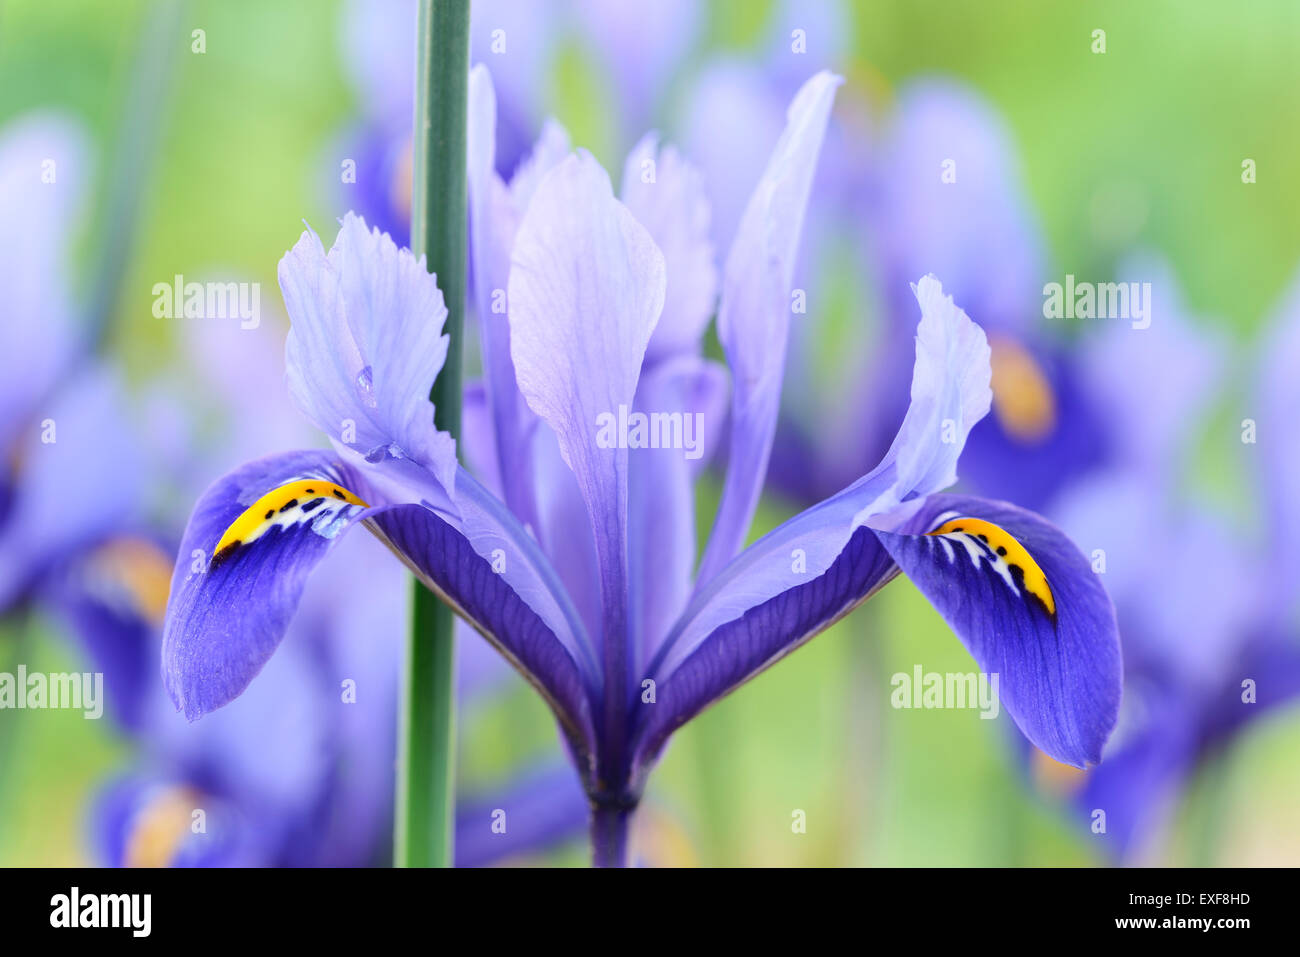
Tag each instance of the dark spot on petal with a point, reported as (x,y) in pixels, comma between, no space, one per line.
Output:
(338,493)
(1002,549)
(288,505)
(225,553)
(270,513)
(984,539)
(312,505)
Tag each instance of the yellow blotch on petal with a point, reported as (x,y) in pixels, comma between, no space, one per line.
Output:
(159,828)
(1009,550)
(1023,399)
(262,513)
(141,569)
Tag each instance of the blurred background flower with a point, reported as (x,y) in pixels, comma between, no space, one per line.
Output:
(1125,165)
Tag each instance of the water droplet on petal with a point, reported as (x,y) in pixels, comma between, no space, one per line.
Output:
(366,386)
(381,453)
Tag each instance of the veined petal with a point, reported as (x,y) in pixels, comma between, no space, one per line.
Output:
(754,315)
(494,216)
(267,525)
(666,194)
(950,393)
(478,437)
(586,289)
(497,537)
(450,565)
(564,529)
(365,346)
(950,389)
(684,400)
(766,630)
(252,540)
(1028,606)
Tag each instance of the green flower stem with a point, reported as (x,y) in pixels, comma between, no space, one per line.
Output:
(427,746)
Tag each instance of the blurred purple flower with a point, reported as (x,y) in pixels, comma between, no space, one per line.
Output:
(637,46)
(57,432)
(74,541)
(932,185)
(1211,641)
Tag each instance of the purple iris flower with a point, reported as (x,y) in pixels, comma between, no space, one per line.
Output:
(950,194)
(51,437)
(591,311)
(1210,636)
(87,559)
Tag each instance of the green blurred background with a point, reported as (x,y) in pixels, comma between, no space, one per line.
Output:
(1159,126)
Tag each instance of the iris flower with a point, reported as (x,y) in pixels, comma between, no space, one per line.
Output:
(1218,625)
(580,572)
(90,561)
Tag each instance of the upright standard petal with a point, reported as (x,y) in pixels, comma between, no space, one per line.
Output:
(586,289)
(943,410)
(365,346)
(683,402)
(1029,608)
(666,194)
(494,211)
(754,315)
